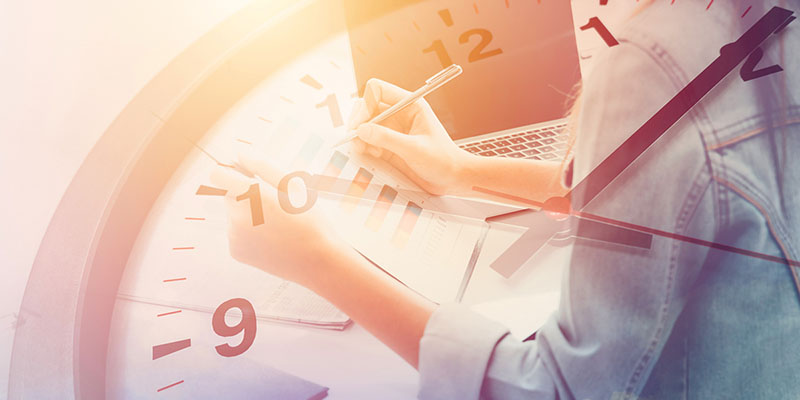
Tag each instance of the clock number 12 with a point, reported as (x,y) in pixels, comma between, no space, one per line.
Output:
(479,52)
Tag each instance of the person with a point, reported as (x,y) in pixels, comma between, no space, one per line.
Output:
(680,320)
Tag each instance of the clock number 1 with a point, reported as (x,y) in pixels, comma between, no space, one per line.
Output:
(596,24)
(333,109)
(256,210)
(247,325)
(478,52)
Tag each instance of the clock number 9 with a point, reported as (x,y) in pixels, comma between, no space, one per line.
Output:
(477,52)
(247,325)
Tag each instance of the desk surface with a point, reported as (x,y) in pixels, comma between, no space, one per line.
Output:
(352,363)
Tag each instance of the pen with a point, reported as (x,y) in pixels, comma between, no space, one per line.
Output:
(435,82)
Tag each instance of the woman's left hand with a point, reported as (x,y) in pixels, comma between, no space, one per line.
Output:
(297,247)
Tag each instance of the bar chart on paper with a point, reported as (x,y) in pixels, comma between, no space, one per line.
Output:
(426,251)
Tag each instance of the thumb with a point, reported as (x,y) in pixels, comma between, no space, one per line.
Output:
(383,137)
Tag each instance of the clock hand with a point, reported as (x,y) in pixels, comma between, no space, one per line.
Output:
(730,56)
(594,231)
(588,188)
(453,206)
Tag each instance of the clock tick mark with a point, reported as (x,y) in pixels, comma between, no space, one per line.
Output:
(508,4)
(166,349)
(709,4)
(475,7)
(265,120)
(183,248)
(195,219)
(416,26)
(204,190)
(286,99)
(310,81)
(388,38)
(360,50)
(446,17)
(747,11)
(168,313)
(173,280)
(170,385)
(243,141)
(335,65)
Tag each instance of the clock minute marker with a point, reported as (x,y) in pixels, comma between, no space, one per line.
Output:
(731,55)
(165,349)
(168,313)
(310,81)
(446,17)
(170,385)
(174,280)
(204,190)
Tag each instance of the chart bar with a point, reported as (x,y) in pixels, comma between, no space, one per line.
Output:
(381,208)
(356,189)
(407,223)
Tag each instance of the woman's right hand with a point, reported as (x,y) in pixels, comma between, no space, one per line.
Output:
(413,140)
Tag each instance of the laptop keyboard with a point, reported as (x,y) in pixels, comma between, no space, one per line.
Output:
(549,143)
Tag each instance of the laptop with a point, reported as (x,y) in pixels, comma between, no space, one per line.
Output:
(520,63)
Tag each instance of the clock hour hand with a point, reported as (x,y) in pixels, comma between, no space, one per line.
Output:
(587,189)
(462,208)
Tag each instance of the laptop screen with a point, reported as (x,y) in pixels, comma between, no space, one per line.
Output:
(520,58)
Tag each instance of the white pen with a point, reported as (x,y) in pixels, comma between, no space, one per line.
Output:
(435,82)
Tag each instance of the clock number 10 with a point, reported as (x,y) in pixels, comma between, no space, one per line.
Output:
(256,209)
(247,325)
(479,52)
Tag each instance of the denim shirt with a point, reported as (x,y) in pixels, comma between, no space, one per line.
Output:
(679,320)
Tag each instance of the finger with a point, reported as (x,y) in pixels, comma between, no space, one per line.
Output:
(261,167)
(234,183)
(378,91)
(374,151)
(358,115)
(359,146)
(383,137)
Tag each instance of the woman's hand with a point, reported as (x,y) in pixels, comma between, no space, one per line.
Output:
(413,140)
(293,247)
(302,249)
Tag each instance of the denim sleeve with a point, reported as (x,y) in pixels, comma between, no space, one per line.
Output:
(618,305)
(463,352)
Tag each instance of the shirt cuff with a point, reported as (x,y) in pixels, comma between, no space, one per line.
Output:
(454,352)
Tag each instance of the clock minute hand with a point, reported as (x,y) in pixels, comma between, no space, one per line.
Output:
(731,55)
(585,191)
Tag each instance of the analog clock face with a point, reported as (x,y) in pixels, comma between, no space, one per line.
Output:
(161,308)
(179,269)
